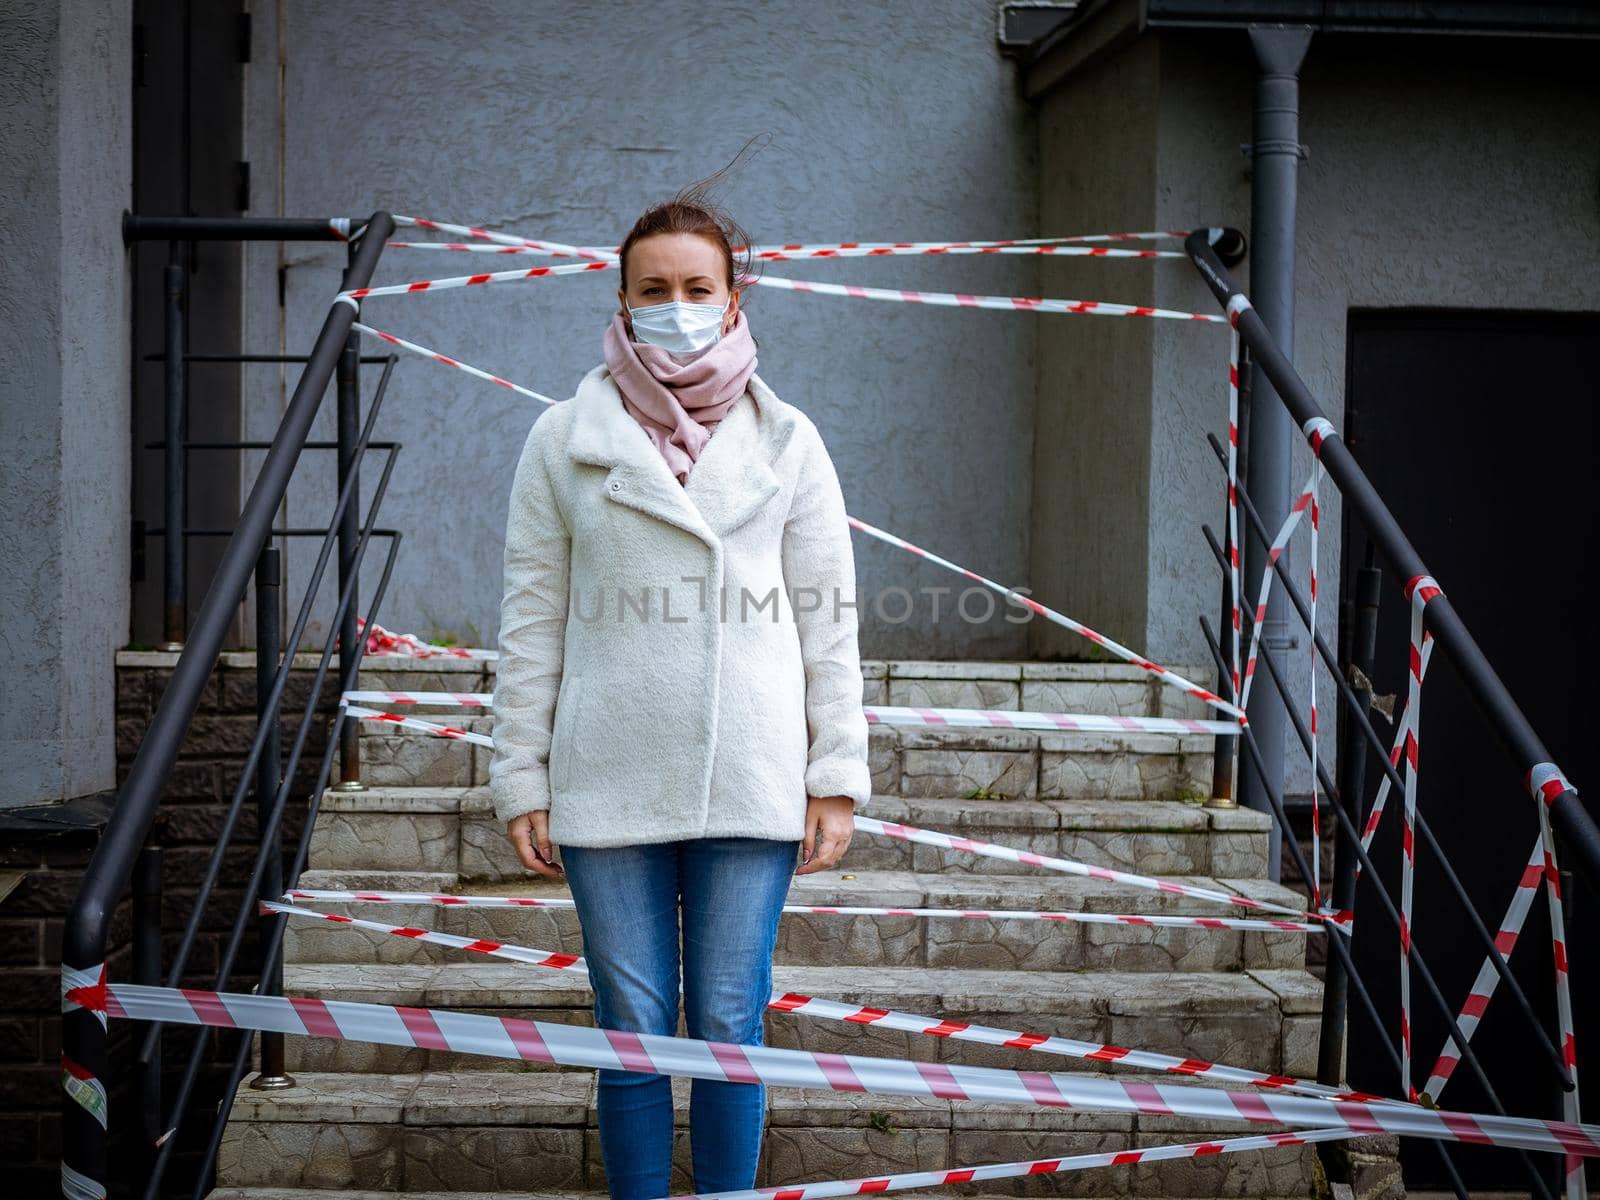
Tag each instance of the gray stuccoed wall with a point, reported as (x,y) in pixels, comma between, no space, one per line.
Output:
(887,123)
(65,175)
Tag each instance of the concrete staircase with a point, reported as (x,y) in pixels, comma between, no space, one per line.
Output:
(368,1120)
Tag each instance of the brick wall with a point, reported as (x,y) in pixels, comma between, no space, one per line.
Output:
(43,851)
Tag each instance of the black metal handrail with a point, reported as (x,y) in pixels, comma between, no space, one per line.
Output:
(1450,634)
(87,930)
(1581,841)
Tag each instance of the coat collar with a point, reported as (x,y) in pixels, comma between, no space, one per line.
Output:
(731,480)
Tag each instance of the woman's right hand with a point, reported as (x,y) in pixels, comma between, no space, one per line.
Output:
(530,837)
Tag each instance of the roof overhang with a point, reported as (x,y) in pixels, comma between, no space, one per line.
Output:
(1100,27)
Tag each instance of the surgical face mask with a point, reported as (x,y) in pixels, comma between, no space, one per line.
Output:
(679,325)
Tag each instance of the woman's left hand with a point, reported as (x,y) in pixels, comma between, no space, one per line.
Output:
(830,823)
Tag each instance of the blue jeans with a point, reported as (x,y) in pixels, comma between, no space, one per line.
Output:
(732,891)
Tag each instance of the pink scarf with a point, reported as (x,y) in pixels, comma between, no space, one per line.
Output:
(680,399)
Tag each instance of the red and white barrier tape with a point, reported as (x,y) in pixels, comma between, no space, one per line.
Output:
(1316,430)
(932,838)
(1275,551)
(1041,1166)
(1419,592)
(504,239)
(446,360)
(845,250)
(516,244)
(899,715)
(1546,782)
(1152,920)
(1165,675)
(860,1014)
(1402,732)
(948,841)
(1103,308)
(508,239)
(1483,987)
(1099,308)
(582,1046)
(1162,673)
(381,643)
(521,274)
(1236,304)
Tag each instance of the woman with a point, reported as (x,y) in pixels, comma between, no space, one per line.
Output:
(678,700)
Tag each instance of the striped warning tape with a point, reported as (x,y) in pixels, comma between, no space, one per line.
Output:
(898,715)
(1103,308)
(1062,248)
(1419,591)
(503,239)
(1236,305)
(1316,430)
(1166,675)
(1483,987)
(1302,502)
(1152,920)
(342,226)
(1099,308)
(931,837)
(1545,783)
(1402,732)
(380,643)
(859,1014)
(423,352)
(1040,1166)
(582,1046)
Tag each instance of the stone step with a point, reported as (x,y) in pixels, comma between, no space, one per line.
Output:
(453,830)
(1109,689)
(1263,1019)
(905,761)
(449,1133)
(823,939)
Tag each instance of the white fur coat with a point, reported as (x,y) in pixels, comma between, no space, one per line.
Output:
(672,660)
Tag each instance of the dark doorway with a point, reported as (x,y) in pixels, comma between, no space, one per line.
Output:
(1477,428)
(188,95)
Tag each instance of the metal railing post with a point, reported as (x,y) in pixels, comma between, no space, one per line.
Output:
(269,770)
(1352,789)
(348,378)
(175,385)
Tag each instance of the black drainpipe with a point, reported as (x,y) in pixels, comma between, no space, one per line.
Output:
(1270,434)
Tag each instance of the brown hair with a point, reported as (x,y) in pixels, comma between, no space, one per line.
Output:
(693,211)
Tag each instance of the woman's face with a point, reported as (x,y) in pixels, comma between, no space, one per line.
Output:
(677,266)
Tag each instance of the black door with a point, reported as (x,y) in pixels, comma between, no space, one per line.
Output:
(1478,430)
(188,139)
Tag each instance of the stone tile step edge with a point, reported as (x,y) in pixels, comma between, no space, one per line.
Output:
(1073,816)
(466,1100)
(1191,995)
(898,889)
